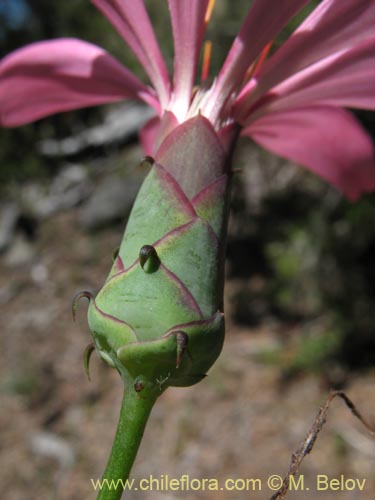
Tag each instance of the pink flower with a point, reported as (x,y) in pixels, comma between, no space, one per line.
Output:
(291,104)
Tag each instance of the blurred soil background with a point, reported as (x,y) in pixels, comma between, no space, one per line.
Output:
(299,302)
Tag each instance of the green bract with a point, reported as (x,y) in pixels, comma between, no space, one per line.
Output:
(159,316)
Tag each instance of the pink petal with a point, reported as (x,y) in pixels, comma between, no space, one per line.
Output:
(335,25)
(167,124)
(328,141)
(131,20)
(188,23)
(344,79)
(148,135)
(263,22)
(156,130)
(60,75)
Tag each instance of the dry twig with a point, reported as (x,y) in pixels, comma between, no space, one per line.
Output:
(308,443)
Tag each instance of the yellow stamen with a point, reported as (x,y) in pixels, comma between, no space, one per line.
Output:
(210,8)
(249,73)
(206,61)
(262,57)
(255,67)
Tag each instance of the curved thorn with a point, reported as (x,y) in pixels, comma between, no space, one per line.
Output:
(148,259)
(147,161)
(115,254)
(77,297)
(182,340)
(138,386)
(86,358)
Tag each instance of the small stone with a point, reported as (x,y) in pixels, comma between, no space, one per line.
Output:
(20,252)
(46,444)
(69,188)
(9,215)
(120,124)
(39,273)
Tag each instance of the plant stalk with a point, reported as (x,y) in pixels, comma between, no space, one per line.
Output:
(135,410)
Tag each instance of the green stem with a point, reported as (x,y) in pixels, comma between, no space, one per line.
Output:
(134,414)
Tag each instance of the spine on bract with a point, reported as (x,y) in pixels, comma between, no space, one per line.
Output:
(159,316)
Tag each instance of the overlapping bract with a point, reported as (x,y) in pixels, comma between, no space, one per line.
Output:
(142,314)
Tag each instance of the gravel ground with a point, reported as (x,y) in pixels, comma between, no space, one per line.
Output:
(242,422)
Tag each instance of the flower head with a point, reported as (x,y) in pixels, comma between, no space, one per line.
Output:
(290,103)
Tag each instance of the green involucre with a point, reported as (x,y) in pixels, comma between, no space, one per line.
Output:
(158,318)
